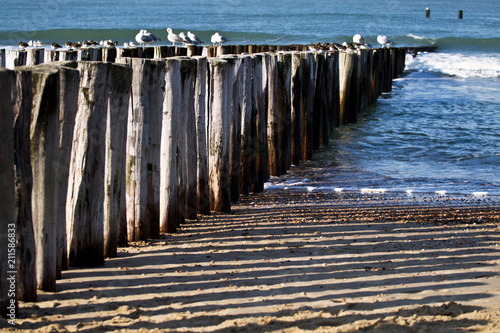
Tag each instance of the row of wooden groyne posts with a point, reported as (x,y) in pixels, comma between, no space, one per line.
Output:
(96,154)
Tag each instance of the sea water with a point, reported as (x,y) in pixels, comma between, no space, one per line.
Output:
(439,128)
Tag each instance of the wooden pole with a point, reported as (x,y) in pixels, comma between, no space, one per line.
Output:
(284,109)
(273,120)
(235,93)
(248,135)
(259,125)
(34,56)
(317,101)
(296,133)
(8,302)
(220,126)
(84,213)
(2,58)
(119,87)
(16,58)
(202,189)
(460,14)
(187,145)
(427,12)
(22,99)
(264,121)
(346,61)
(354,101)
(44,140)
(69,82)
(170,215)
(306,104)
(335,102)
(143,148)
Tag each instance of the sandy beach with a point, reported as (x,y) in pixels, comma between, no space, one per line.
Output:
(295,262)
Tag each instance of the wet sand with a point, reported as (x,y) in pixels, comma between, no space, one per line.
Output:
(295,262)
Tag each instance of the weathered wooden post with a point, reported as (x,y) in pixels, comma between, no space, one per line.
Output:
(44,140)
(264,142)
(386,70)
(34,56)
(460,14)
(220,126)
(335,100)
(69,85)
(248,135)
(296,86)
(235,99)
(16,58)
(427,12)
(51,56)
(321,128)
(273,120)
(84,211)
(22,99)
(2,58)
(306,104)
(119,87)
(170,215)
(202,188)
(346,66)
(186,157)
(143,147)
(8,302)
(376,89)
(354,101)
(109,54)
(284,109)
(68,55)
(259,116)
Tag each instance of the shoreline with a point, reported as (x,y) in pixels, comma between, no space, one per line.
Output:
(294,261)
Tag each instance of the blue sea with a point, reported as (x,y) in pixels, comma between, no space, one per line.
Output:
(439,128)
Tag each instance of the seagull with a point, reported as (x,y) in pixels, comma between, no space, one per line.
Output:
(186,40)
(173,37)
(194,38)
(384,41)
(357,39)
(218,39)
(143,38)
(155,39)
(55,46)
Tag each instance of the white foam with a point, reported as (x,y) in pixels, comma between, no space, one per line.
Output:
(461,65)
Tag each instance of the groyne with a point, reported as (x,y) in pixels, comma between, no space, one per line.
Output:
(102,148)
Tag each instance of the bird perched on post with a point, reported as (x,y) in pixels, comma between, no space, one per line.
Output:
(218,39)
(358,39)
(143,38)
(55,46)
(186,40)
(384,41)
(173,37)
(23,44)
(194,38)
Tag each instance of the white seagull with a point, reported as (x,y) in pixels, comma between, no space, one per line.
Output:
(143,38)
(218,39)
(153,37)
(194,38)
(384,41)
(186,40)
(173,37)
(357,39)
